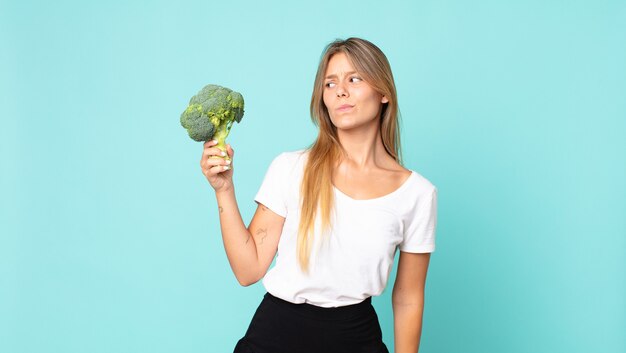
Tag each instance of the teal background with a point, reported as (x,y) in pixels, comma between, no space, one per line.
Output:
(109,236)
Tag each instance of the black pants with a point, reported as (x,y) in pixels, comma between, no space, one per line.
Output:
(279,326)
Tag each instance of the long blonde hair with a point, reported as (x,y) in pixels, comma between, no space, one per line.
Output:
(316,190)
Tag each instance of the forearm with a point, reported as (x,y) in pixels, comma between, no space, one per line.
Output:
(407,319)
(240,247)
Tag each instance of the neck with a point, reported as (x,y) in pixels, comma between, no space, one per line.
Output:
(363,148)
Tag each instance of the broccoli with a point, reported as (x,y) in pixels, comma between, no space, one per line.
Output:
(211,114)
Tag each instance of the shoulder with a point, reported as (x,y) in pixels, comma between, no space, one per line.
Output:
(414,181)
(291,156)
(288,162)
(420,186)
(417,200)
(422,182)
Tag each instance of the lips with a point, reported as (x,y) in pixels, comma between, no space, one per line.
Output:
(345,107)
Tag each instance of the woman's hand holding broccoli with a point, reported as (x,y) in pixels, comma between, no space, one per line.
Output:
(209,117)
(218,171)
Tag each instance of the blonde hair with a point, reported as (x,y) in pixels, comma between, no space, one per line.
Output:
(316,190)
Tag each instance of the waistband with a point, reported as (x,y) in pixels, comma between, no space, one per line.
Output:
(318,312)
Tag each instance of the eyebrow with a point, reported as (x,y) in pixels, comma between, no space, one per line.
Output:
(335,76)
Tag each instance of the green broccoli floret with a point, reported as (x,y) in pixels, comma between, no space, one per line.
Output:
(211,114)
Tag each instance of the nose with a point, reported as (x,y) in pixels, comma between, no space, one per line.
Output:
(341,90)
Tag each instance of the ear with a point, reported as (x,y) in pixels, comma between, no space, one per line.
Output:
(384,100)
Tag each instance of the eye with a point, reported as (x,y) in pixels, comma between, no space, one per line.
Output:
(330,84)
(355,79)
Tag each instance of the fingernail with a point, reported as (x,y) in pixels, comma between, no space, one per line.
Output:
(223,153)
(214,141)
(226,167)
(227,162)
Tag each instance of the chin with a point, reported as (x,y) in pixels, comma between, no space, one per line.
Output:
(342,123)
(347,127)
(350,124)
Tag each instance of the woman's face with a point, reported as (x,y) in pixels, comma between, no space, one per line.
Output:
(351,102)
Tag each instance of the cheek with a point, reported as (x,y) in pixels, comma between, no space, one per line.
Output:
(371,105)
(327,103)
(325,98)
(371,94)
(374,99)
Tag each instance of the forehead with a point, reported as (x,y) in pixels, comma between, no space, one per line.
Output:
(339,63)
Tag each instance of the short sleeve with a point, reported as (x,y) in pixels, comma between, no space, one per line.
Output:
(272,190)
(419,232)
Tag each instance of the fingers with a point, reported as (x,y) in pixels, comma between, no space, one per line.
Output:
(213,152)
(231,152)
(218,169)
(210,161)
(210,143)
(210,150)
(210,169)
(213,161)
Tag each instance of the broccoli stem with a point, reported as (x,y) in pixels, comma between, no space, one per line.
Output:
(220,135)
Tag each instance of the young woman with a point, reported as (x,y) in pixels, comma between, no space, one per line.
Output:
(335,213)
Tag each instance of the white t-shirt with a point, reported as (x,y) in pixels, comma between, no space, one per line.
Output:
(354,261)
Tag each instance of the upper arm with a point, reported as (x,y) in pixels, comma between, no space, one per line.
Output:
(411,278)
(265,228)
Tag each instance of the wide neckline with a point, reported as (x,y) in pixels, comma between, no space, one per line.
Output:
(404,185)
